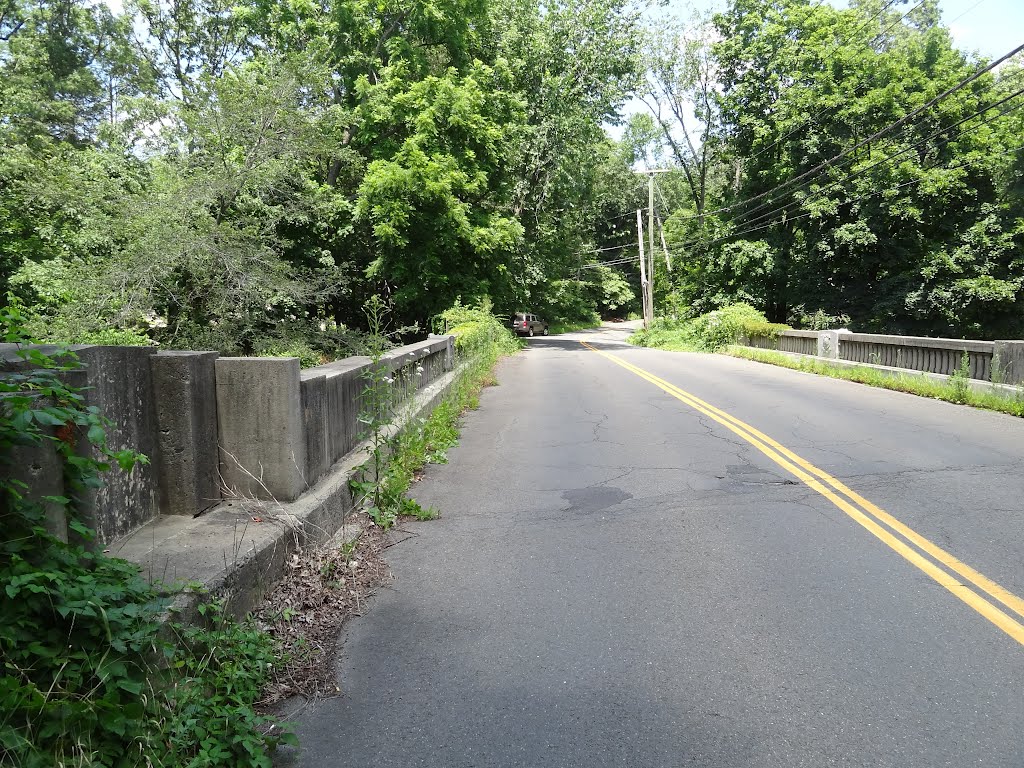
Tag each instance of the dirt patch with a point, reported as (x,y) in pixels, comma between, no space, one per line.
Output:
(305,612)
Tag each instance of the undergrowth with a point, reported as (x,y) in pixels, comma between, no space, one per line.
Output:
(709,332)
(91,673)
(954,390)
(395,460)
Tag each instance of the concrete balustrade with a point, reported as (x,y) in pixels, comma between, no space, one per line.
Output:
(993,361)
(215,427)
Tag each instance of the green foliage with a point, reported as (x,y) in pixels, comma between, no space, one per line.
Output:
(308,356)
(89,675)
(918,231)
(709,332)
(818,320)
(375,486)
(219,670)
(397,456)
(479,335)
(959,381)
(203,173)
(956,390)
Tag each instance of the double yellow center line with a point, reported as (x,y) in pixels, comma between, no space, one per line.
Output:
(944,568)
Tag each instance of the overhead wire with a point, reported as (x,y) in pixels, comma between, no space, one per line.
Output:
(813,173)
(865,196)
(889,158)
(873,137)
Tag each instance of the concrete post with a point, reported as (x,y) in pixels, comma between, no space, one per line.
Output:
(185,392)
(315,403)
(41,469)
(259,418)
(828,344)
(119,382)
(1008,362)
(449,350)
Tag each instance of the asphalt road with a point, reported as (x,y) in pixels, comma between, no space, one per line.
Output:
(621,579)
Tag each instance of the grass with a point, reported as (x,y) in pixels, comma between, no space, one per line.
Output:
(426,441)
(954,390)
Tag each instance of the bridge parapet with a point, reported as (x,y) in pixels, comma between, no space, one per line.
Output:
(992,361)
(216,427)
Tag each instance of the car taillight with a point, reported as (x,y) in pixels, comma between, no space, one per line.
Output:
(524,323)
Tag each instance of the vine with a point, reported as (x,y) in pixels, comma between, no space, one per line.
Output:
(91,675)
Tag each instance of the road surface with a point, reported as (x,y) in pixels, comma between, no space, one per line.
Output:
(668,559)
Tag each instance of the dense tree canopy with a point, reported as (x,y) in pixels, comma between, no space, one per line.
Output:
(852,186)
(235,175)
(245,175)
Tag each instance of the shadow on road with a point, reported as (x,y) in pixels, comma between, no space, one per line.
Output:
(554,342)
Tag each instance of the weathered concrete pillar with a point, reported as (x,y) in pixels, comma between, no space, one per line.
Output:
(1008,362)
(41,469)
(119,382)
(828,344)
(343,382)
(185,393)
(313,388)
(449,352)
(259,418)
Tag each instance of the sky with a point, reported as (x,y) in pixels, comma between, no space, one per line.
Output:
(988,27)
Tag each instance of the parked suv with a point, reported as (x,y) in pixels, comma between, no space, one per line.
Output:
(525,324)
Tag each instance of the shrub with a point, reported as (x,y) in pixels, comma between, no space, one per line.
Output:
(89,676)
(308,357)
(709,332)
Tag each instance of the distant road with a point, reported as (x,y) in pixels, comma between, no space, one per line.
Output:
(667,559)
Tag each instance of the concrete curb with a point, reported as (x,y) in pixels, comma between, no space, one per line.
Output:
(896,373)
(239,549)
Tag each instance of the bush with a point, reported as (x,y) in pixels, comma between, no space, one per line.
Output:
(818,320)
(308,357)
(709,332)
(476,330)
(90,676)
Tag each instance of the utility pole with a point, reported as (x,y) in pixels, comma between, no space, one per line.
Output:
(650,234)
(647,264)
(645,285)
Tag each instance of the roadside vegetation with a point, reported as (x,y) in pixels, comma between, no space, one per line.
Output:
(95,671)
(710,332)
(328,585)
(955,389)
(241,176)
(481,339)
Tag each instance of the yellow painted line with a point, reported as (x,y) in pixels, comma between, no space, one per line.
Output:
(868,516)
(1007,598)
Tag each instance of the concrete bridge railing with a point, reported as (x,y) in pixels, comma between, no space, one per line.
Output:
(216,427)
(993,361)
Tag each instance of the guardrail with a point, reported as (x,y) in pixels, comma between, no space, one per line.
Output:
(215,427)
(993,361)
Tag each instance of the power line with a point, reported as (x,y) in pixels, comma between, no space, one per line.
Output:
(602,250)
(851,200)
(889,158)
(877,135)
(596,264)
